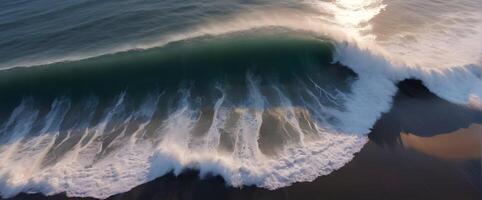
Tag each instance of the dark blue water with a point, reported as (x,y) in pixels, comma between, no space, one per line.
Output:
(41,31)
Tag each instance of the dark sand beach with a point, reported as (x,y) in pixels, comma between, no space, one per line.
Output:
(423,148)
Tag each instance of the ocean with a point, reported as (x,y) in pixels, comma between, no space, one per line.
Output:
(99,97)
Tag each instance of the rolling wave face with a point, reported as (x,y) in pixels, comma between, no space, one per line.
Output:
(267,114)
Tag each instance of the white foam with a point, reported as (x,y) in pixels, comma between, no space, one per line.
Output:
(84,171)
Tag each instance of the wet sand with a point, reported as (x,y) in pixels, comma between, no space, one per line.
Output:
(423,148)
(463,144)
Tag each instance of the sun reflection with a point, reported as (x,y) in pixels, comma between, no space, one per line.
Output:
(355,13)
(352,15)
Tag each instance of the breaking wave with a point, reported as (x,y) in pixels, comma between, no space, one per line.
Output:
(265,102)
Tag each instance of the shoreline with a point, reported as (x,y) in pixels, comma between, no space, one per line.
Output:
(386,168)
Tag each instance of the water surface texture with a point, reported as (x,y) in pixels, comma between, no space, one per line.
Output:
(98,97)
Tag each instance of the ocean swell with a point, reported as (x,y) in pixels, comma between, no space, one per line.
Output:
(265,113)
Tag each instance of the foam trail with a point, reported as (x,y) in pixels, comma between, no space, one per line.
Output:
(106,152)
(93,146)
(246,146)
(34,150)
(219,118)
(82,127)
(322,112)
(179,124)
(135,122)
(15,130)
(145,115)
(289,114)
(18,130)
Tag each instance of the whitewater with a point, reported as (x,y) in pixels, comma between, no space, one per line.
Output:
(269,124)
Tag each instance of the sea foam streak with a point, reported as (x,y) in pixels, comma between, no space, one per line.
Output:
(126,147)
(128,144)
